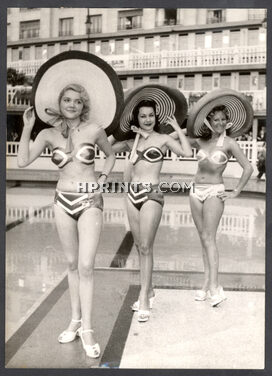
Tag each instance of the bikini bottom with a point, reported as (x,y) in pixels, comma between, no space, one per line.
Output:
(139,194)
(204,191)
(74,204)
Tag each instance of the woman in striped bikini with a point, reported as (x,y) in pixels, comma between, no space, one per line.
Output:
(145,201)
(78,215)
(209,122)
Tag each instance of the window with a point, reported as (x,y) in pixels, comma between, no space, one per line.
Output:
(216,16)
(149,44)
(164,42)
(225,80)
(138,81)
(154,79)
(124,82)
(133,45)
(244,81)
(172,81)
(26,53)
(253,36)
(38,52)
(94,24)
(200,40)
(77,46)
(66,26)
(166,17)
(170,16)
(14,54)
(29,29)
(262,81)
(206,82)
(91,47)
(234,38)
(50,50)
(119,46)
(130,19)
(63,47)
(189,82)
(217,41)
(105,47)
(183,42)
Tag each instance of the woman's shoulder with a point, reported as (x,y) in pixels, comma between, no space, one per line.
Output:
(229,141)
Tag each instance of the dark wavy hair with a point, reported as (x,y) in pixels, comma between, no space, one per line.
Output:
(135,113)
(207,133)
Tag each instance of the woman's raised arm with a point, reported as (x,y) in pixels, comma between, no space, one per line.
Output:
(27,155)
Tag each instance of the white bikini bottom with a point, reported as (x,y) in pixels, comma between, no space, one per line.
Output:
(204,191)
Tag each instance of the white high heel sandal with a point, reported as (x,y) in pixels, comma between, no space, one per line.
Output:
(69,335)
(93,351)
(135,305)
(218,298)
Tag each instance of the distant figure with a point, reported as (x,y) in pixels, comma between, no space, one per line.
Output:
(261,161)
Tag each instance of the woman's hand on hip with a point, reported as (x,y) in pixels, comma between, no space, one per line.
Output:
(226,195)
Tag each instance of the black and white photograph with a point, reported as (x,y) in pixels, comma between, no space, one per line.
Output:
(136,188)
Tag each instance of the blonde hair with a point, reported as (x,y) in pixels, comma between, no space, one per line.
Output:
(84,97)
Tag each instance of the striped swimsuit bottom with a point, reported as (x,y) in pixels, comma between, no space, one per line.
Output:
(74,204)
(138,194)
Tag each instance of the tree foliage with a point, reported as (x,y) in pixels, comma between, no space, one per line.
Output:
(15,78)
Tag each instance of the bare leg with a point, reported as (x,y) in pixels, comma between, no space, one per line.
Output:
(212,212)
(89,230)
(150,216)
(67,230)
(197,214)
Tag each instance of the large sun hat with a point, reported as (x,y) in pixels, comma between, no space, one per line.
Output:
(169,102)
(94,74)
(238,106)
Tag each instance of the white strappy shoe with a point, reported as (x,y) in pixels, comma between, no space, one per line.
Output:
(135,305)
(218,298)
(93,351)
(202,295)
(143,315)
(69,335)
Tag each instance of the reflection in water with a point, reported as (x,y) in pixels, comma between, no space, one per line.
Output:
(35,260)
(233,222)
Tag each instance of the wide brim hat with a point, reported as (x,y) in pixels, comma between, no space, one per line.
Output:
(239,109)
(94,74)
(169,102)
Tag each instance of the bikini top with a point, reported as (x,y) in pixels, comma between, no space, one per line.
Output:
(151,154)
(217,157)
(85,153)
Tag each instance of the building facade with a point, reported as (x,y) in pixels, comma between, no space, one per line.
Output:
(194,50)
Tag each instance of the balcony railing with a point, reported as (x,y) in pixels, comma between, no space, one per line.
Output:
(18,97)
(166,22)
(247,147)
(209,57)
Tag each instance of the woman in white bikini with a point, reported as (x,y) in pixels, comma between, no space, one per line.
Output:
(210,121)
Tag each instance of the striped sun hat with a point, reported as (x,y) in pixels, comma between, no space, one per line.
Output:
(239,109)
(168,101)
